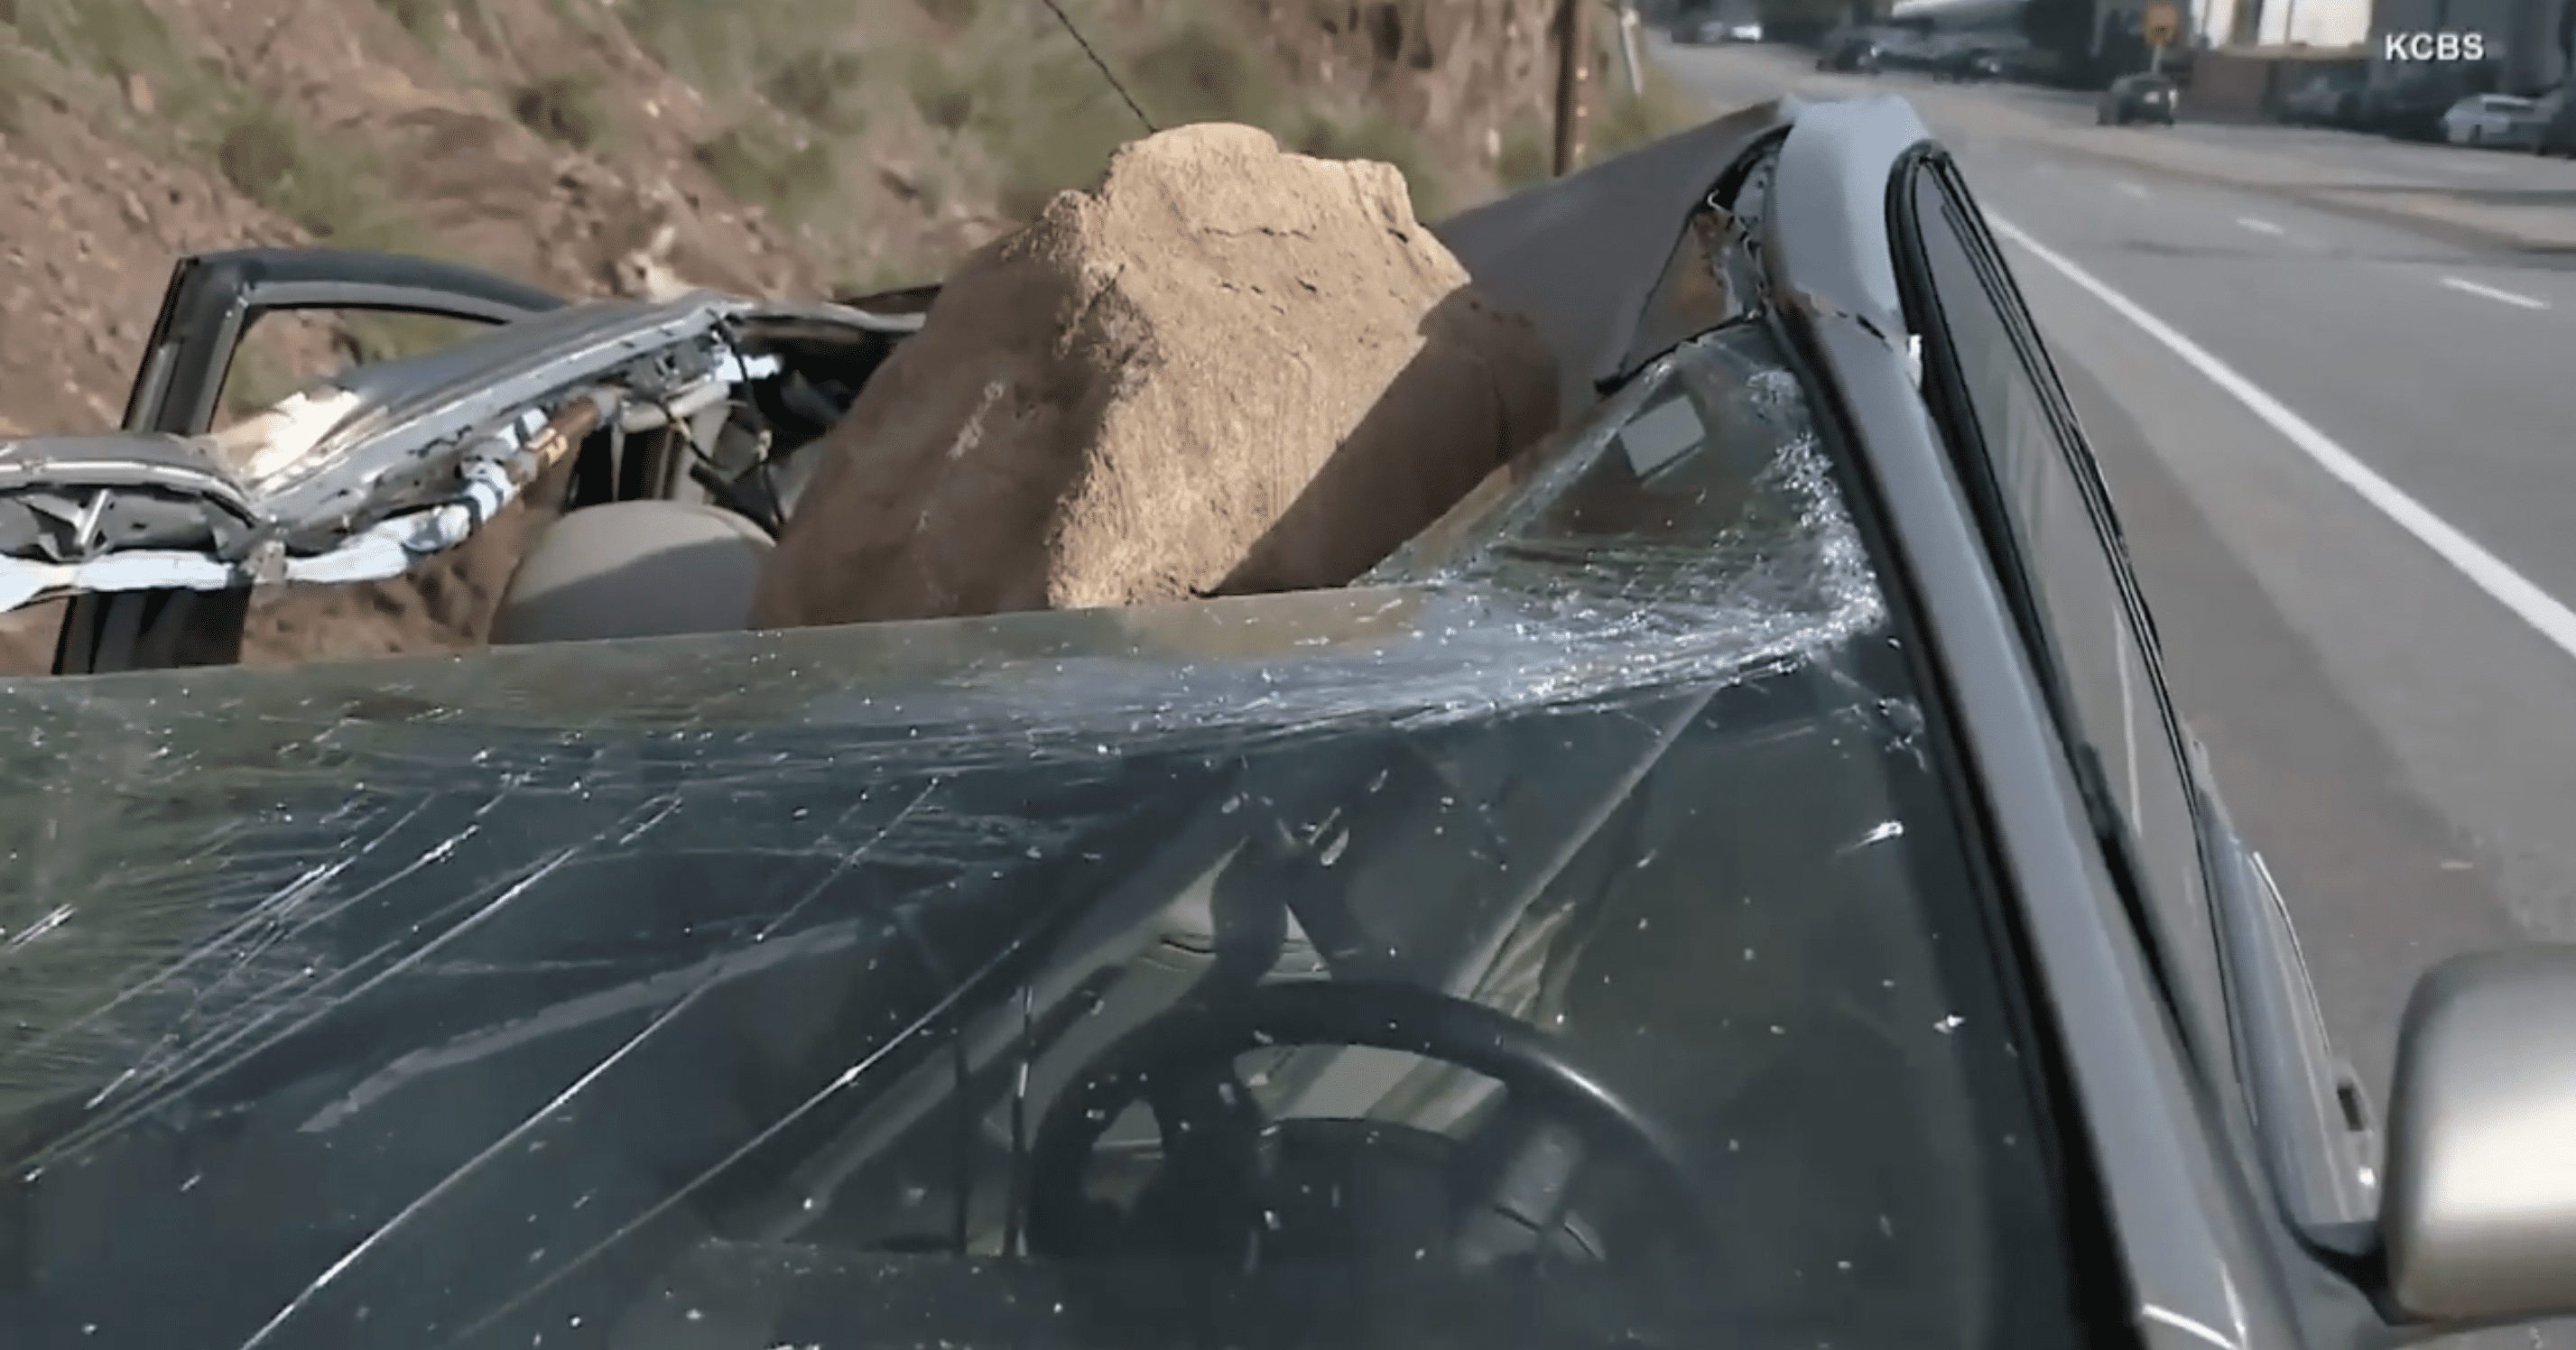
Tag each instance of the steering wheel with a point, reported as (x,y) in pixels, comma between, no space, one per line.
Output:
(1181,1065)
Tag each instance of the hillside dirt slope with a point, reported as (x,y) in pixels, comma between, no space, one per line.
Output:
(633,146)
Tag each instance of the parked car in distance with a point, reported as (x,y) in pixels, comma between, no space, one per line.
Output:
(2491,119)
(1969,65)
(2323,101)
(1852,54)
(1710,28)
(1915,46)
(2553,124)
(2409,109)
(2137,98)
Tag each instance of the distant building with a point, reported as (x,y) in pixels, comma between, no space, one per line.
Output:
(2292,23)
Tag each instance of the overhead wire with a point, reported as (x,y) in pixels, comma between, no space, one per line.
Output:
(1101,65)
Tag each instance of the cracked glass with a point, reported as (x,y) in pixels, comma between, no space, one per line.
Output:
(1561,938)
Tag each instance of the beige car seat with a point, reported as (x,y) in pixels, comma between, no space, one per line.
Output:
(634,569)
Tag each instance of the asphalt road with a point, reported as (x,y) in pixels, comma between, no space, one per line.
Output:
(2366,159)
(2392,735)
(2336,158)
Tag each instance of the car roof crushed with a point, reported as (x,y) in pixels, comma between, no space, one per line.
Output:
(361,476)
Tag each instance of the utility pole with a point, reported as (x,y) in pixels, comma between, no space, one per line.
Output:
(1632,58)
(1573,66)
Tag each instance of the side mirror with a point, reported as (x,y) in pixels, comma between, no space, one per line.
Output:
(2478,1224)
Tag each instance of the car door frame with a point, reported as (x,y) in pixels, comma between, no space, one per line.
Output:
(2010,549)
(208,306)
(2305,1112)
(2188,1238)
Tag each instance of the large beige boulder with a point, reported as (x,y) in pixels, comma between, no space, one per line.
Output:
(1226,370)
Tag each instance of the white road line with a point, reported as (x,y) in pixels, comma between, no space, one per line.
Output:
(2258,226)
(2488,573)
(2189,1327)
(2132,190)
(2491,293)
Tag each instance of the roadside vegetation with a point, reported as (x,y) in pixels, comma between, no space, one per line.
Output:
(827,118)
(869,142)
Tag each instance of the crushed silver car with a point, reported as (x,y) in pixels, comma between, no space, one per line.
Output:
(364,474)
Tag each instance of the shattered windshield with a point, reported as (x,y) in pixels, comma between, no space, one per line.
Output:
(1562,938)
